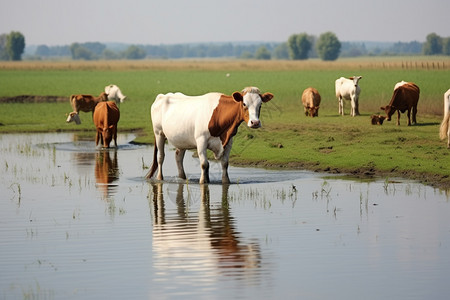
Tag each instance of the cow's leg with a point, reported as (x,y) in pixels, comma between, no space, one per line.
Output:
(160,141)
(398,118)
(353,109)
(97,138)
(448,136)
(409,117)
(341,106)
(224,162)
(179,156)
(115,136)
(356,107)
(414,113)
(201,149)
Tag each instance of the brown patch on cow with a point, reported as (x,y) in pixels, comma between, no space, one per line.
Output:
(227,116)
(106,116)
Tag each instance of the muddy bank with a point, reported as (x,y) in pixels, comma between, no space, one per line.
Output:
(364,172)
(33,99)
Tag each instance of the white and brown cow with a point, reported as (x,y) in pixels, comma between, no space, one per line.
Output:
(84,103)
(311,101)
(106,116)
(348,89)
(202,122)
(444,130)
(404,98)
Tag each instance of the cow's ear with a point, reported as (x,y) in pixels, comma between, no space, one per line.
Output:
(383,108)
(238,97)
(266,97)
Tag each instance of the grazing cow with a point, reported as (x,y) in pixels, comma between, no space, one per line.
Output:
(404,98)
(202,122)
(106,116)
(115,94)
(348,89)
(444,130)
(377,119)
(311,102)
(84,103)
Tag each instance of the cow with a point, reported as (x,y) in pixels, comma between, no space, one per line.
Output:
(444,130)
(404,98)
(377,119)
(115,94)
(348,89)
(311,102)
(202,122)
(106,116)
(84,103)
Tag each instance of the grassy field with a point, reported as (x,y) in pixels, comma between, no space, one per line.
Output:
(288,138)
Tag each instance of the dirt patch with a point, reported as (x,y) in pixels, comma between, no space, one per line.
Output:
(434,180)
(33,99)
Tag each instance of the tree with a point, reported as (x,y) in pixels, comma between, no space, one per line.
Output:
(328,46)
(134,52)
(15,44)
(433,45)
(446,46)
(3,53)
(281,51)
(299,46)
(80,52)
(262,53)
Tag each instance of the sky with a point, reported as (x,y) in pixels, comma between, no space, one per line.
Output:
(150,22)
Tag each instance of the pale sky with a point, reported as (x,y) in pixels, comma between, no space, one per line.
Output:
(62,22)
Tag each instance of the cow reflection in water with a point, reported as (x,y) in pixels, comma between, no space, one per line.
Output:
(106,171)
(203,242)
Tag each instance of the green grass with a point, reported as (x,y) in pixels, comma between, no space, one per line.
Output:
(288,138)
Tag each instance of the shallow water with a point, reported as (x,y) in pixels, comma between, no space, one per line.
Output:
(81,223)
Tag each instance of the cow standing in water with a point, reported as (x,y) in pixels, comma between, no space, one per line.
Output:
(404,98)
(202,122)
(84,103)
(348,89)
(106,116)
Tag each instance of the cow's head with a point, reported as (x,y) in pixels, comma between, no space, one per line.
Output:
(73,117)
(252,100)
(389,110)
(355,80)
(314,111)
(103,96)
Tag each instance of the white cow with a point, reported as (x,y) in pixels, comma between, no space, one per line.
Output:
(348,89)
(444,130)
(114,93)
(202,122)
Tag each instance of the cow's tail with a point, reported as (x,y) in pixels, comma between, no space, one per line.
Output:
(443,130)
(154,167)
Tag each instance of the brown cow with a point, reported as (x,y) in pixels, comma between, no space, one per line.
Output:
(106,116)
(311,101)
(377,119)
(405,98)
(84,103)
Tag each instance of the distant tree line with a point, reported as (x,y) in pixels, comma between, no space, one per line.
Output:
(298,47)
(12,46)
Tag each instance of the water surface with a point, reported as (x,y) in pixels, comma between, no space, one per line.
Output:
(82,223)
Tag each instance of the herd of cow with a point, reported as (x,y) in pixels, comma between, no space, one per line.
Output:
(210,121)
